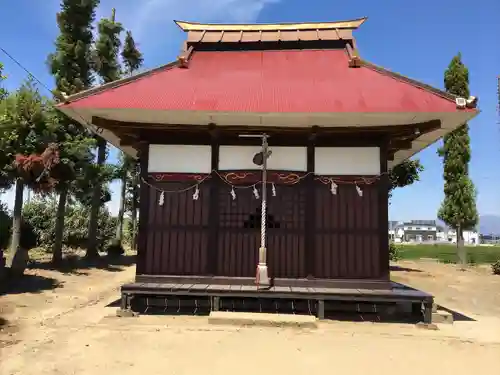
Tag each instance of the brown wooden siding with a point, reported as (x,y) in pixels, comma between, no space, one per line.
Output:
(177,232)
(345,236)
(347,232)
(286,238)
(238,236)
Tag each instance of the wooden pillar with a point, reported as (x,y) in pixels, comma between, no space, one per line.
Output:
(143,209)
(213,226)
(310,212)
(383,209)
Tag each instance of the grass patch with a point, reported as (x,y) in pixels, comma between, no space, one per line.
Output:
(448,253)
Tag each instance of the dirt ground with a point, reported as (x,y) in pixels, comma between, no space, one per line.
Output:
(59,323)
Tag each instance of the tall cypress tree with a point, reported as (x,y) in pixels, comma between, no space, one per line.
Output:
(107,67)
(70,64)
(132,60)
(458,209)
(132,57)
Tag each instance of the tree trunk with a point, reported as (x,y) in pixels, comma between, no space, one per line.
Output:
(18,257)
(59,230)
(92,245)
(462,251)
(119,228)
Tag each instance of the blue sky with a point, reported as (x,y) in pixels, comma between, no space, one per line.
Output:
(417,39)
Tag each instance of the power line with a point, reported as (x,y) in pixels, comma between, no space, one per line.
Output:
(91,125)
(30,74)
(25,69)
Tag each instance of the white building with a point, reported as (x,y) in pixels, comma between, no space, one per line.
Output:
(471,237)
(427,231)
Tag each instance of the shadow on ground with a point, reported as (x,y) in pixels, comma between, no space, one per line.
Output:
(404,269)
(457,316)
(76,264)
(3,322)
(28,284)
(114,303)
(201,307)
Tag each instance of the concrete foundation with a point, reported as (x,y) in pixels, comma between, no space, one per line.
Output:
(261,319)
(442,317)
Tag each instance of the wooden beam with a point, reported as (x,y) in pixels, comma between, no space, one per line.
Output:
(184,57)
(407,130)
(354,60)
(400,144)
(128,140)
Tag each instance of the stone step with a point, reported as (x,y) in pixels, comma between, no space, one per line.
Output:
(262,319)
(442,317)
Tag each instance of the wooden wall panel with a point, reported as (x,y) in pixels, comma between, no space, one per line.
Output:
(347,233)
(239,232)
(177,232)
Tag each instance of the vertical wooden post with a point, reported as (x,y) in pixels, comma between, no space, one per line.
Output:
(213,226)
(310,211)
(321,309)
(383,210)
(143,209)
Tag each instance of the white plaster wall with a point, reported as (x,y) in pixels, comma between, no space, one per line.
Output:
(470,237)
(282,158)
(179,159)
(347,160)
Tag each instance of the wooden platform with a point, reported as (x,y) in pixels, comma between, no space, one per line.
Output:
(397,293)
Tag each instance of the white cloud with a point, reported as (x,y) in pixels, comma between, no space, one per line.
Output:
(153,13)
(151,21)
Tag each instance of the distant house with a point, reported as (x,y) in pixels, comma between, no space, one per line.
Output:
(471,237)
(491,239)
(427,231)
(420,231)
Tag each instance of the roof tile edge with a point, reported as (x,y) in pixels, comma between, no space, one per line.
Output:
(195,26)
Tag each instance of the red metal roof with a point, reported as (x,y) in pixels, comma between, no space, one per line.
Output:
(310,81)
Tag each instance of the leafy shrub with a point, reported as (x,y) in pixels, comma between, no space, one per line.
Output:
(28,236)
(41,215)
(394,252)
(495,267)
(5,226)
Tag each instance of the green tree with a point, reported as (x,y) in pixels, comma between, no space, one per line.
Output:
(3,91)
(5,182)
(107,67)
(458,209)
(126,162)
(30,133)
(131,56)
(71,67)
(132,199)
(404,174)
(129,199)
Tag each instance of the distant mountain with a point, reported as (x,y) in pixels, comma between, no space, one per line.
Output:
(489,224)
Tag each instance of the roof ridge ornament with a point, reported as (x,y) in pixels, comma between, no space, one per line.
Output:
(463,103)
